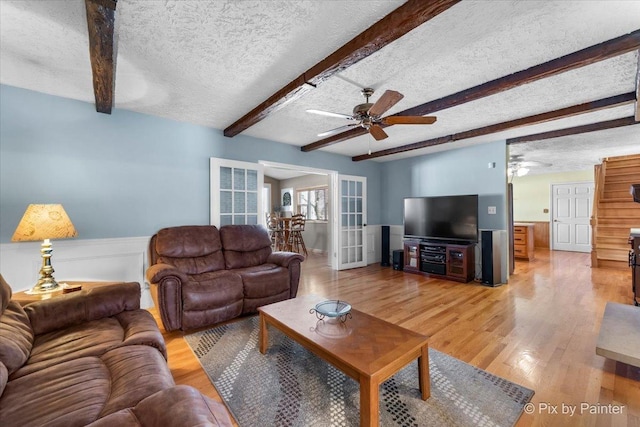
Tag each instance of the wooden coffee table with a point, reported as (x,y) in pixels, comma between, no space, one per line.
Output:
(372,352)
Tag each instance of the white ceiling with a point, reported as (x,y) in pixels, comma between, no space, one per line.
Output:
(210,62)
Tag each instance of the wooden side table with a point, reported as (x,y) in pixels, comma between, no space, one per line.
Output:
(23,298)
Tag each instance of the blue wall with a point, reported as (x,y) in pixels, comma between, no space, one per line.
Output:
(126,174)
(130,174)
(453,172)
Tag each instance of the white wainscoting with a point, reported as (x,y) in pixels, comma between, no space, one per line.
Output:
(374,241)
(119,259)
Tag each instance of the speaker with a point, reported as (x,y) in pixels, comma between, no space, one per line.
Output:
(398,260)
(384,259)
(635,192)
(491,254)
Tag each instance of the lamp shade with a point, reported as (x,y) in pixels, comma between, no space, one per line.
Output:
(41,222)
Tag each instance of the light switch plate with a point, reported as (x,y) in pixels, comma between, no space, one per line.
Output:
(492,210)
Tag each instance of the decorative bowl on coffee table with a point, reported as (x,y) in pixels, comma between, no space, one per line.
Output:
(332,309)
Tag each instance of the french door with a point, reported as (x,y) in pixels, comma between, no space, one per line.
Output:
(236,192)
(352,222)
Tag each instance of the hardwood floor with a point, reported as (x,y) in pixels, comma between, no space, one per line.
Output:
(539,331)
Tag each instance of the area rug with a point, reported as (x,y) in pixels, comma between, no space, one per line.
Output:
(289,386)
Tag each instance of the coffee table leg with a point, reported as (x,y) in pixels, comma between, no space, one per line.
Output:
(369,402)
(423,373)
(264,334)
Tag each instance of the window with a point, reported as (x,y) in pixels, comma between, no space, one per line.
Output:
(312,202)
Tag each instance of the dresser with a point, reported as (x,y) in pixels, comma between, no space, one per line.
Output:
(523,241)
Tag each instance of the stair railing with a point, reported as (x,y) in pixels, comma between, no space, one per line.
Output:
(599,174)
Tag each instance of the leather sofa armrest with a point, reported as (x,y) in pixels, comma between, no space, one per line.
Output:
(166,289)
(157,272)
(283,259)
(84,306)
(291,261)
(179,406)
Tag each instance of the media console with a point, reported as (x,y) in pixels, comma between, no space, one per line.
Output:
(451,261)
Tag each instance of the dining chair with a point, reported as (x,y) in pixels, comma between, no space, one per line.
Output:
(276,232)
(296,241)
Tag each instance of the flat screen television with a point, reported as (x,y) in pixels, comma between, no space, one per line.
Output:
(453,218)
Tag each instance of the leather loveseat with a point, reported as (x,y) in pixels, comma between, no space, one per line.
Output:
(201,275)
(91,358)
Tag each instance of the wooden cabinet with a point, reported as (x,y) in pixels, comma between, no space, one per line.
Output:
(523,241)
(412,256)
(460,262)
(447,261)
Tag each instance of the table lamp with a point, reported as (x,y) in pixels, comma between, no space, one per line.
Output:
(44,222)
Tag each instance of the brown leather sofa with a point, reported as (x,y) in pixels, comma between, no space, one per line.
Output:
(91,358)
(201,276)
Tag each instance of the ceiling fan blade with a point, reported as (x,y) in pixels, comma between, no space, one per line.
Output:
(377,132)
(409,120)
(338,130)
(388,99)
(330,114)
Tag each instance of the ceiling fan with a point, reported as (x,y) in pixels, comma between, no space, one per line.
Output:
(368,115)
(518,166)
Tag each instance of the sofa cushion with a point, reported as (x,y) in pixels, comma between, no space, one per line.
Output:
(16,337)
(79,307)
(93,338)
(83,384)
(182,406)
(91,387)
(196,265)
(188,241)
(264,280)
(5,294)
(211,290)
(4,377)
(136,372)
(193,249)
(245,245)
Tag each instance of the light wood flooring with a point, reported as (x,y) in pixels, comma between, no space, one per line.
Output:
(539,331)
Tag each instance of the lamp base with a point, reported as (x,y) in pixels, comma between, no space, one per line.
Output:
(44,285)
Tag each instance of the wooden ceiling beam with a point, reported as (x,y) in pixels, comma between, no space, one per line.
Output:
(587,107)
(102,51)
(581,58)
(592,127)
(405,18)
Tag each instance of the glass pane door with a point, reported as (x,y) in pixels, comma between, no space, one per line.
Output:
(352,222)
(236,192)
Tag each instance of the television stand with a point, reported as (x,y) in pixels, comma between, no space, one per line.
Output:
(451,261)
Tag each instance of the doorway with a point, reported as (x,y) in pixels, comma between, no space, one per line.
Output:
(346,237)
(291,178)
(571,205)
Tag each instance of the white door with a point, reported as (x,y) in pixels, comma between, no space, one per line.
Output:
(571,215)
(352,220)
(235,192)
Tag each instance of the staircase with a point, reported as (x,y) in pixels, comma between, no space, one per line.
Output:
(614,211)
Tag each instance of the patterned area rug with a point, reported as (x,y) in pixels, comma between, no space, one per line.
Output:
(289,386)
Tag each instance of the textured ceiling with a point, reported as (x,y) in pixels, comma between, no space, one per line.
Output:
(210,62)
